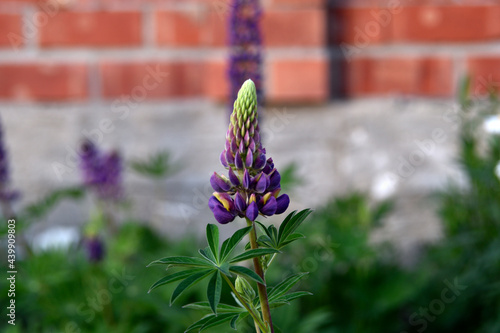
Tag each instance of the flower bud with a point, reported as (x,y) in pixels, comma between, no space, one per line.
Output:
(244,289)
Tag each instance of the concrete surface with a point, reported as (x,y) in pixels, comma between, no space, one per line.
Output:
(390,148)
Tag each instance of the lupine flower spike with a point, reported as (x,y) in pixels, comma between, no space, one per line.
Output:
(252,186)
(102,172)
(246,46)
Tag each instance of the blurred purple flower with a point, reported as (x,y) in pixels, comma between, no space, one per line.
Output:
(245,46)
(94,247)
(102,172)
(252,187)
(6,195)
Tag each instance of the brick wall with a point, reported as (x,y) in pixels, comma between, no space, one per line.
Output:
(87,50)
(83,50)
(414,47)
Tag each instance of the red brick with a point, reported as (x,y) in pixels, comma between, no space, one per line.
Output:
(174,79)
(484,73)
(10,30)
(304,27)
(360,26)
(303,81)
(216,82)
(92,29)
(424,23)
(453,24)
(191,28)
(296,3)
(410,75)
(43,82)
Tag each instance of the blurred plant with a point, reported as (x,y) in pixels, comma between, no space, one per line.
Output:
(157,166)
(6,194)
(252,188)
(61,291)
(102,174)
(245,46)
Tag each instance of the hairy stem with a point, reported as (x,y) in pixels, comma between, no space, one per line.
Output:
(258,322)
(264,303)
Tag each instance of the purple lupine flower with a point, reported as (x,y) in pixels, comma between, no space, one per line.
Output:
(95,249)
(245,46)
(6,195)
(102,172)
(253,183)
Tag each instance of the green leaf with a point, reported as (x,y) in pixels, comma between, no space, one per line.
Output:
(246,272)
(252,254)
(41,208)
(157,166)
(293,237)
(207,253)
(182,261)
(233,322)
(230,244)
(213,240)
(291,296)
(199,323)
(189,282)
(221,308)
(217,320)
(284,286)
(291,223)
(214,290)
(173,278)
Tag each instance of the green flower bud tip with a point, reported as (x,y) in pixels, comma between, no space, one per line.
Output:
(245,289)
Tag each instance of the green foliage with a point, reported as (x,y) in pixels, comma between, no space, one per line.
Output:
(157,166)
(61,291)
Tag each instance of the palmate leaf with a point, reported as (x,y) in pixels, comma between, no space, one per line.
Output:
(252,254)
(286,299)
(189,282)
(230,244)
(213,240)
(285,285)
(211,320)
(173,278)
(214,290)
(291,223)
(246,272)
(221,308)
(183,261)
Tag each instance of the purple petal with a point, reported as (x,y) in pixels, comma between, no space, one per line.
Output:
(249,159)
(261,185)
(223,160)
(252,211)
(270,207)
(234,146)
(238,161)
(229,157)
(242,147)
(246,180)
(251,145)
(240,203)
(219,184)
(233,178)
(260,162)
(282,203)
(222,215)
(275,179)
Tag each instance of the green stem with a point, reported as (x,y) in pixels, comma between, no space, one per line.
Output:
(258,322)
(264,303)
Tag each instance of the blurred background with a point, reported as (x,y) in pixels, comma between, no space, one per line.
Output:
(381,114)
